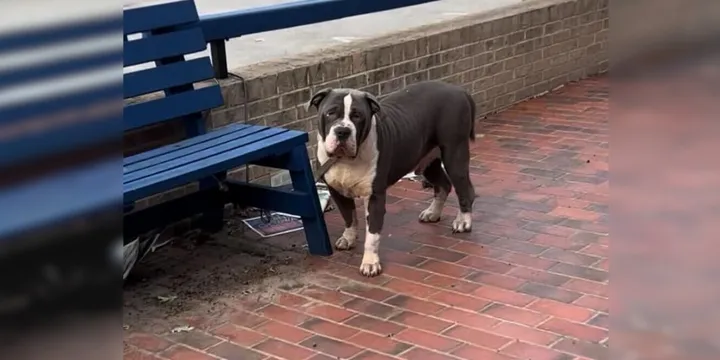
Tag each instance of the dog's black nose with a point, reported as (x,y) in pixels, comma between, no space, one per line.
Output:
(342,133)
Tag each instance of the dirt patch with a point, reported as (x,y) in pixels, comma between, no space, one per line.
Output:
(198,280)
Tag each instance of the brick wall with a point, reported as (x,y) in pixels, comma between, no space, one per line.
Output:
(501,57)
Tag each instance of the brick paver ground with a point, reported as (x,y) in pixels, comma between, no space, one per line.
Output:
(529,282)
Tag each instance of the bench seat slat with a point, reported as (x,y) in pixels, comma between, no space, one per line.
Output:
(197,147)
(174,106)
(128,161)
(50,201)
(197,167)
(151,17)
(164,77)
(199,156)
(161,46)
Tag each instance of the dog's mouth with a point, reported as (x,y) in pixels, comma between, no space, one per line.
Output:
(342,150)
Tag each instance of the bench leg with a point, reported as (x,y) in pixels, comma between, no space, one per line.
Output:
(212,219)
(315,228)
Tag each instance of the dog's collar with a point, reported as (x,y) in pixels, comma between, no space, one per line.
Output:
(325,167)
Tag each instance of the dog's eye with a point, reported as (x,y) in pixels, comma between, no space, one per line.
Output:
(329,113)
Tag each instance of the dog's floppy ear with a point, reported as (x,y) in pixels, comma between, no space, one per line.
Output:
(374,103)
(374,110)
(316,99)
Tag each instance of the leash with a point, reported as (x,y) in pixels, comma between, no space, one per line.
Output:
(324,168)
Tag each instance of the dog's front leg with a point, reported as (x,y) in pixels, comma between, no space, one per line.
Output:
(375,216)
(346,206)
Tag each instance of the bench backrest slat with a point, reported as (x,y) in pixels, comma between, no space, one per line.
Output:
(35,108)
(146,18)
(171,107)
(58,33)
(163,46)
(170,31)
(111,53)
(167,76)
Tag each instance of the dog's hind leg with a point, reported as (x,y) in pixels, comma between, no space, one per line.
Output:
(456,159)
(346,206)
(441,185)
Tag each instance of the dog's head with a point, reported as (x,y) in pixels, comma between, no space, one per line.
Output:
(344,119)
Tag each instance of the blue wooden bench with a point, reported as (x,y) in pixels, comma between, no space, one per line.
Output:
(171,31)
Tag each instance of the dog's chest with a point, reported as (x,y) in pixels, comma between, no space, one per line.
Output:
(351,181)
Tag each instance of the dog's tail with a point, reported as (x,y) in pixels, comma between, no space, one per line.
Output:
(473,111)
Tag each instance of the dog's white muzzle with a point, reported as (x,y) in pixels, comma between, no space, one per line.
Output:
(341,139)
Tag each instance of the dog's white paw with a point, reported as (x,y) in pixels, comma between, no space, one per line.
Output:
(344,243)
(434,211)
(462,223)
(370,265)
(347,240)
(429,215)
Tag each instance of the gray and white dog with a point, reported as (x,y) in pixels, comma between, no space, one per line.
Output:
(375,143)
